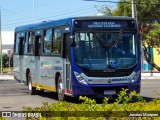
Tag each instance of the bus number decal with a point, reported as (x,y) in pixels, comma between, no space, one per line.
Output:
(57,61)
(57,68)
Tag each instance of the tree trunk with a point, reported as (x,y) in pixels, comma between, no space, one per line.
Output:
(148,58)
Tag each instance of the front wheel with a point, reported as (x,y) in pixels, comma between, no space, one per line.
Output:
(60,92)
(32,90)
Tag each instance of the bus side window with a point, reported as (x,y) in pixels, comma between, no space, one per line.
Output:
(47,41)
(37,45)
(31,38)
(16,43)
(21,46)
(56,44)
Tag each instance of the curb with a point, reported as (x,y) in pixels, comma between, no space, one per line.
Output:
(150,77)
(8,77)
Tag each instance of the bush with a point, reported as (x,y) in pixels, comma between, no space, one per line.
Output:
(2,118)
(123,109)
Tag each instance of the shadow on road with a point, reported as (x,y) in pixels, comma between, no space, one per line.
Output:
(99,99)
(148,99)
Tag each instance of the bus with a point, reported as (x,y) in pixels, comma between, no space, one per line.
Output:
(91,55)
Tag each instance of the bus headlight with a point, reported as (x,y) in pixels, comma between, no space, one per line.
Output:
(135,77)
(80,78)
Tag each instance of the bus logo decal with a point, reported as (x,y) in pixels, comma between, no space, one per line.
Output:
(46,65)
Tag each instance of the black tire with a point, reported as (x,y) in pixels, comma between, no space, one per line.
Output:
(41,92)
(32,90)
(27,72)
(60,92)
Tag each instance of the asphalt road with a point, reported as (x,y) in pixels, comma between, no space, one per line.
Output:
(14,96)
(150,88)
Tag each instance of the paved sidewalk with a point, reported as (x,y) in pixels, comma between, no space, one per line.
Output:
(7,77)
(150,77)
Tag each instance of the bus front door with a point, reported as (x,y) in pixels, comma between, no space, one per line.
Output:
(21,55)
(67,65)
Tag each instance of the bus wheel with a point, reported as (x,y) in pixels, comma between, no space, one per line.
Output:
(60,92)
(32,90)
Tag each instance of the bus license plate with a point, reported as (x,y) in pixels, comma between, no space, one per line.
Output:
(109,92)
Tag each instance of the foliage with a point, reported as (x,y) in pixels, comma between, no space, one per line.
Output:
(104,9)
(123,9)
(153,36)
(1,118)
(5,62)
(89,110)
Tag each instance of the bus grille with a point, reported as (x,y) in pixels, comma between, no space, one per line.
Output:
(102,74)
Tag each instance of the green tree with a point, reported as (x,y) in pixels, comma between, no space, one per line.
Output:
(5,60)
(148,14)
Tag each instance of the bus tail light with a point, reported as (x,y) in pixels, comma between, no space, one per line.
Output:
(80,78)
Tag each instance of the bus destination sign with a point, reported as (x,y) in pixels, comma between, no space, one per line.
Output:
(109,24)
(104,25)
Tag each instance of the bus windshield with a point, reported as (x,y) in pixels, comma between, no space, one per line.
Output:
(105,50)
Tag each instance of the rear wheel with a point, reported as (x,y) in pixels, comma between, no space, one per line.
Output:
(60,92)
(32,90)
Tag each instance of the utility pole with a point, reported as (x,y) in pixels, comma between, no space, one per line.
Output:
(1,45)
(134,11)
(134,15)
(33,8)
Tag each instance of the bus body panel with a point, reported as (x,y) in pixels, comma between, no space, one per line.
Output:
(49,67)
(16,66)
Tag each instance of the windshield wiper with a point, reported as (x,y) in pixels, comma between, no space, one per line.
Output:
(117,39)
(103,44)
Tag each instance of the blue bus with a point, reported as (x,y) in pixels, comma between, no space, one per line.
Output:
(94,55)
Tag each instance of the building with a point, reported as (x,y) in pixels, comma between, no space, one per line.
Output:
(155,57)
(7,41)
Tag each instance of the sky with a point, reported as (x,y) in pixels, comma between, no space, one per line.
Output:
(21,12)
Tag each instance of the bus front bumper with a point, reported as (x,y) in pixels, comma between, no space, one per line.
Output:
(99,89)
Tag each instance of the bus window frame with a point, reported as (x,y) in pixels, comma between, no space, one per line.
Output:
(61,44)
(28,32)
(42,42)
(21,34)
(16,44)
